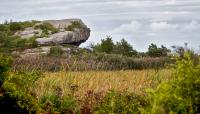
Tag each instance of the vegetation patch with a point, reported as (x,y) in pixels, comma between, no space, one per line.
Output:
(73,26)
(56,51)
(47,29)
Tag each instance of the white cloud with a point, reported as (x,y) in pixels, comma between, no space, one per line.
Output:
(163,27)
(194,26)
(129,28)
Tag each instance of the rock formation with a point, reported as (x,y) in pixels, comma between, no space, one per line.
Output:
(75,37)
(69,31)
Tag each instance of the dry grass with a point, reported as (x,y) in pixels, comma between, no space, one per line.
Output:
(79,83)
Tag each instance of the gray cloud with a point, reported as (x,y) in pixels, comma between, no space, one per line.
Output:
(168,22)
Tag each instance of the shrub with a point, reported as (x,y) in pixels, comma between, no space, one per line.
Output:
(74,24)
(13,98)
(10,43)
(16,26)
(56,51)
(32,42)
(54,103)
(182,94)
(121,103)
(5,65)
(21,101)
(45,27)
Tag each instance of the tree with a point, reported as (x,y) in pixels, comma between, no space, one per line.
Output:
(105,46)
(124,48)
(154,51)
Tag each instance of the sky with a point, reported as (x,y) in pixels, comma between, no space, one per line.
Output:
(140,22)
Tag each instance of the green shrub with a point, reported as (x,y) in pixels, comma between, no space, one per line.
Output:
(121,103)
(4,28)
(45,27)
(16,26)
(13,97)
(25,80)
(9,43)
(32,42)
(56,51)
(22,101)
(180,95)
(74,24)
(54,103)
(5,65)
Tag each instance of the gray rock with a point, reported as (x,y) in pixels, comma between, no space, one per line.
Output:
(28,33)
(64,22)
(67,37)
(75,37)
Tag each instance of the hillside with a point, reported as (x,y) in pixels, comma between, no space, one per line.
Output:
(42,34)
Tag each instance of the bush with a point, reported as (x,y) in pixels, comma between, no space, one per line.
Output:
(121,103)
(16,26)
(56,51)
(45,27)
(10,43)
(5,65)
(13,99)
(74,24)
(180,95)
(54,103)
(21,100)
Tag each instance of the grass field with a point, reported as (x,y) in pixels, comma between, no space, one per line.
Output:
(79,83)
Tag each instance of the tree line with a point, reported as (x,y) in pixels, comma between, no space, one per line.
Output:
(126,49)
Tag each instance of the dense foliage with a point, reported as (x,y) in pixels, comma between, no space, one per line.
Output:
(5,65)
(109,47)
(182,94)
(124,48)
(121,103)
(10,42)
(154,51)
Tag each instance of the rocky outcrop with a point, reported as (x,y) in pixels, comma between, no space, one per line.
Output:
(28,33)
(75,37)
(63,36)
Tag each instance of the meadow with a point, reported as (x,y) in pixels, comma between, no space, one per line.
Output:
(156,91)
(100,81)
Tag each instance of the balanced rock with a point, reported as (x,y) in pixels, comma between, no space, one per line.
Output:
(66,31)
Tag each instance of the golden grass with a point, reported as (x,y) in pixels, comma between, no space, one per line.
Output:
(100,81)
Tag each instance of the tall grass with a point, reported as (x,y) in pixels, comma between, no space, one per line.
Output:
(94,85)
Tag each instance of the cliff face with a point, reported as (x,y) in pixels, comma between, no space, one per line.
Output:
(67,31)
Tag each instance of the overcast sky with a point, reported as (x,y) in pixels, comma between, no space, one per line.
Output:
(140,22)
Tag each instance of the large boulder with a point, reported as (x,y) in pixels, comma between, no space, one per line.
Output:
(73,36)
